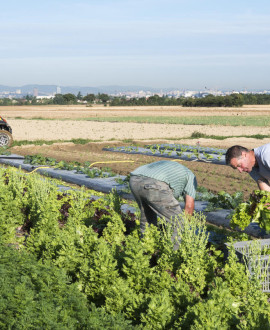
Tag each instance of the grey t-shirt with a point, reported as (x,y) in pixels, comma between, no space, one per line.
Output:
(262,155)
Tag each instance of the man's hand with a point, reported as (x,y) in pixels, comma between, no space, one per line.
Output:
(189,204)
(263,185)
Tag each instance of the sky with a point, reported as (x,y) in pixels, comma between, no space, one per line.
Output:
(179,44)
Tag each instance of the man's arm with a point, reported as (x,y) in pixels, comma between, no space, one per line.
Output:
(189,204)
(263,185)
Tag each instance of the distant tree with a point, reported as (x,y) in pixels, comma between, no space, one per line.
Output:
(250,98)
(90,98)
(79,96)
(46,101)
(188,102)
(154,100)
(20,101)
(34,101)
(104,98)
(142,101)
(70,98)
(237,100)
(59,99)
(5,101)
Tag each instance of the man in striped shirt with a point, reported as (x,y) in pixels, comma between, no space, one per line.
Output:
(157,186)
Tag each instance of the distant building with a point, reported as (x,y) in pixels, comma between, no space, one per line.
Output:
(40,97)
(58,90)
(190,93)
(35,92)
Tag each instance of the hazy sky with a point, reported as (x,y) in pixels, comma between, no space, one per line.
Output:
(156,43)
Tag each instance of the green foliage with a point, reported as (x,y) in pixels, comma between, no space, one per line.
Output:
(40,194)
(38,296)
(198,120)
(159,311)
(197,266)
(114,201)
(136,264)
(241,216)
(120,297)
(114,231)
(98,273)
(128,281)
(4,151)
(244,281)
(12,199)
(63,165)
(257,209)
(224,200)
(235,274)
(100,319)
(218,311)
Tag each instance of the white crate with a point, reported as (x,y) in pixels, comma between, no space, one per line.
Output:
(242,251)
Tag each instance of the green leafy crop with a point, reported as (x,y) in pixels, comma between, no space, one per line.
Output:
(256,209)
(76,262)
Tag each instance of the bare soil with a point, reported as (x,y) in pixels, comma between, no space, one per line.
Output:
(213,177)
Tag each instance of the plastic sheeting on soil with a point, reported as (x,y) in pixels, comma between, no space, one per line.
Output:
(106,185)
(195,154)
(179,147)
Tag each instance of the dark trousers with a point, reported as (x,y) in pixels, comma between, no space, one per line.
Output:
(155,199)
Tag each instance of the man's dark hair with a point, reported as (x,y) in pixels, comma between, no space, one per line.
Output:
(234,152)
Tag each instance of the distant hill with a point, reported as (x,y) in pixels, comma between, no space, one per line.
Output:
(51,89)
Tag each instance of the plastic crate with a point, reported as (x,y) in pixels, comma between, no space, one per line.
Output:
(242,251)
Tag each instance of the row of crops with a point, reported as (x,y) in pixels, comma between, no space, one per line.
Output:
(176,151)
(221,206)
(41,163)
(70,261)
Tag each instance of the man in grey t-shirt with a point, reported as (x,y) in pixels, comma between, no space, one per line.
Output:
(256,162)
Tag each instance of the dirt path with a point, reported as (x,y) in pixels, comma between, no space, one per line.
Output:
(84,111)
(104,131)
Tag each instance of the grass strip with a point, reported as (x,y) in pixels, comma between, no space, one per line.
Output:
(50,142)
(194,135)
(198,120)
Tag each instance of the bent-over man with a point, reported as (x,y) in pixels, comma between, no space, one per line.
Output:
(256,162)
(157,186)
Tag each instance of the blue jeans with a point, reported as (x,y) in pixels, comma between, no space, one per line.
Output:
(155,199)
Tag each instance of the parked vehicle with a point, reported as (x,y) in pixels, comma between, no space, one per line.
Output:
(6,138)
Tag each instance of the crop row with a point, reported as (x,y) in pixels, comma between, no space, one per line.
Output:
(184,147)
(222,200)
(185,153)
(85,168)
(135,283)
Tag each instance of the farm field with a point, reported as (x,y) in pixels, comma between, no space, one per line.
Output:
(64,123)
(86,255)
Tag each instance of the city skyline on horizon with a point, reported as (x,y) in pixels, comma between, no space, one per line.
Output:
(157,43)
(49,91)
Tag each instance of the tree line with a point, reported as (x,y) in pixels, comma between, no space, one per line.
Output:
(232,100)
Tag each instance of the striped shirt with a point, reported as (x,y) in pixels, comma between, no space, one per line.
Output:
(180,179)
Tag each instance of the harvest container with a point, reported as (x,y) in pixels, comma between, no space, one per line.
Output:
(242,250)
